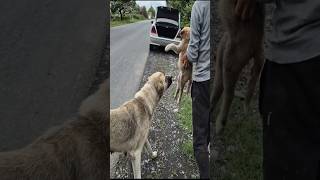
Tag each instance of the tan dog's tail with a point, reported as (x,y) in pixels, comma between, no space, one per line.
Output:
(97,102)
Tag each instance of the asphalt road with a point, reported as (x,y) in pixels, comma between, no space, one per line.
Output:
(49,51)
(129,48)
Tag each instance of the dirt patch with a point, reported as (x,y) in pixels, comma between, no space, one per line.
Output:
(166,135)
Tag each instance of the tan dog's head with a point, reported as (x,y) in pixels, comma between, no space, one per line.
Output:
(185,33)
(160,81)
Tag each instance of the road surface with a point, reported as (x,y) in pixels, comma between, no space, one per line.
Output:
(129,48)
(49,50)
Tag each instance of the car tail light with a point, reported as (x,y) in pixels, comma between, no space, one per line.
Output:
(153,30)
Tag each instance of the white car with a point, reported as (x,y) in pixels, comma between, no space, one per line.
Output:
(166,27)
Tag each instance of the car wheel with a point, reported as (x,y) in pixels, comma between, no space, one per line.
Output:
(153,47)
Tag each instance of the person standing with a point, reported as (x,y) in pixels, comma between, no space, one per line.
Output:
(290,90)
(198,53)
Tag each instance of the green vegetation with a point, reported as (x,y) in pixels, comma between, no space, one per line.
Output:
(243,142)
(126,11)
(187,148)
(185,113)
(242,138)
(184,8)
(185,120)
(152,12)
(126,20)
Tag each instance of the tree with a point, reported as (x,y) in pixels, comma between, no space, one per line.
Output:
(184,8)
(152,12)
(144,12)
(122,7)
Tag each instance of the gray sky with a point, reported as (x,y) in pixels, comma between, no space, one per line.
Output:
(155,4)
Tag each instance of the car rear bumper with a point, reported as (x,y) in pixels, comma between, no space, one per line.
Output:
(160,41)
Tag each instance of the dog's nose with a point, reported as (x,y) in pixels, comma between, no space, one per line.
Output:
(169,80)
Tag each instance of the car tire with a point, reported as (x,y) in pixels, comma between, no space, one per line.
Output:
(153,47)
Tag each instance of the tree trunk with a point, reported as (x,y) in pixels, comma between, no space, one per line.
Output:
(120,15)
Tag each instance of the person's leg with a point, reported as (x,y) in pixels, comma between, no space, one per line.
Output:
(201,128)
(289,97)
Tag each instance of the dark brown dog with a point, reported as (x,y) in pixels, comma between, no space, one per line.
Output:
(75,150)
(242,41)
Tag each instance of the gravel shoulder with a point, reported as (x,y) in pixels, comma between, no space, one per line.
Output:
(166,135)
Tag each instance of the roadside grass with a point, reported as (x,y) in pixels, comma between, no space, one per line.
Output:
(185,120)
(242,139)
(243,142)
(126,20)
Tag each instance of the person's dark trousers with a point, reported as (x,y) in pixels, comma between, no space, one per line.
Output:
(201,127)
(290,109)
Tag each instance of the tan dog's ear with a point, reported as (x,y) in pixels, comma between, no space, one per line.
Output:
(158,81)
(185,33)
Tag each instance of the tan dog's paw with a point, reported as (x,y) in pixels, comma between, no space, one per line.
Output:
(167,48)
(154,154)
(172,47)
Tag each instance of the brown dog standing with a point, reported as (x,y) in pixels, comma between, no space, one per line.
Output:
(185,73)
(242,41)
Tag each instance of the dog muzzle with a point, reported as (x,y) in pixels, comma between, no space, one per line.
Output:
(168,81)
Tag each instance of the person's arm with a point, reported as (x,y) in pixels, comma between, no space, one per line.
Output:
(193,47)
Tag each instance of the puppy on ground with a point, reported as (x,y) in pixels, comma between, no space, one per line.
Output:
(130,123)
(242,41)
(185,74)
(75,150)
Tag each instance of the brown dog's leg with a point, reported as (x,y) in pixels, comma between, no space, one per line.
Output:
(217,82)
(189,86)
(153,154)
(178,86)
(175,48)
(182,84)
(255,75)
(234,59)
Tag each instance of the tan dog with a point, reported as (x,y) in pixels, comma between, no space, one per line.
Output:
(75,150)
(130,123)
(185,74)
(242,41)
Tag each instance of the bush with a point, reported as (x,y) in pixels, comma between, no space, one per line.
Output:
(138,16)
(184,8)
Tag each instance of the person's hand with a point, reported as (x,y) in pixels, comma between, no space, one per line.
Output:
(245,8)
(184,61)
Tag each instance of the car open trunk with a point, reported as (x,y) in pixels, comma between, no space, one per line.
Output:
(167,22)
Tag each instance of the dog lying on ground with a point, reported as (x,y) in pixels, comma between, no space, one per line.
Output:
(185,74)
(130,123)
(242,41)
(75,150)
